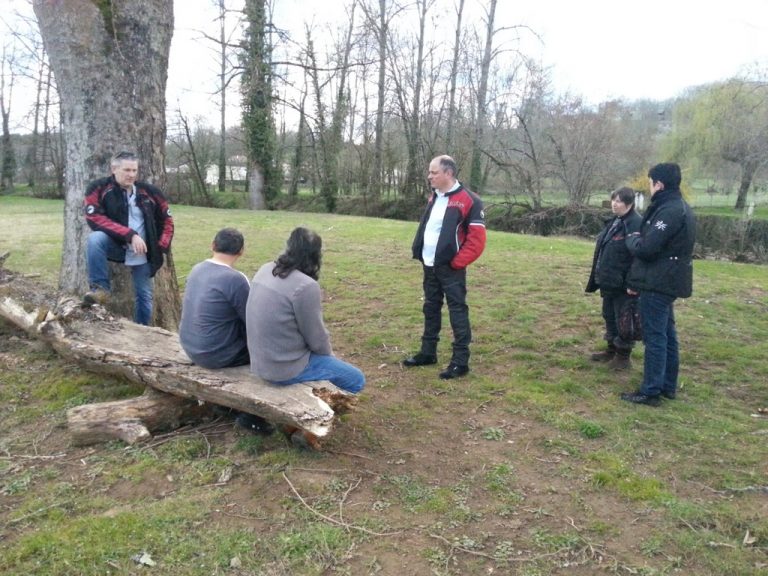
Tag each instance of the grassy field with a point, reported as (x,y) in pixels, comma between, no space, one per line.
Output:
(529,466)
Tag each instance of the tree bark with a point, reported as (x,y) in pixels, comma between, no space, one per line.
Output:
(110,60)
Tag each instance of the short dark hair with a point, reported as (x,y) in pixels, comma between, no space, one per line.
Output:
(668,173)
(624,194)
(448,164)
(303,252)
(228,241)
(123,155)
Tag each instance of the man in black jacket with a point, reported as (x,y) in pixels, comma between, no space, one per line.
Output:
(661,272)
(131,223)
(451,235)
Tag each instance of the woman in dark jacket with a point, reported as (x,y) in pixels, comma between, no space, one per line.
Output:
(610,265)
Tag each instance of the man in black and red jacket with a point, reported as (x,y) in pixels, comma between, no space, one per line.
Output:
(451,235)
(131,223)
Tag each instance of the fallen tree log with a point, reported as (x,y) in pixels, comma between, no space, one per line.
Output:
(134,419)
(153,356)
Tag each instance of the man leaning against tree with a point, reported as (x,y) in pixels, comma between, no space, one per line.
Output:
(131,223)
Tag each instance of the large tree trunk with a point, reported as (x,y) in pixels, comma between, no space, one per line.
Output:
(748,170)
(110,60)
(154,357)
(476,171)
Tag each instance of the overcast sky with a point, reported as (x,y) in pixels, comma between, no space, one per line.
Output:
(599,49)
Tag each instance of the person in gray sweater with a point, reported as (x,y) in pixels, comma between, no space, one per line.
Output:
(212,328)
(287,338)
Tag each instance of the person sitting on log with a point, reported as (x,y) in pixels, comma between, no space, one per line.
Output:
(287,338)
(212,329)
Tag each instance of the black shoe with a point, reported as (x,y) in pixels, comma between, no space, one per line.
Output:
(604,356)
(454,371)
(668,395)
(420,360)
(254,424)
(639,398)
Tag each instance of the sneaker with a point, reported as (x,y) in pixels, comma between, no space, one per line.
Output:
(638,397)
(669,395)
(420,360)
(254,424)
(97,296)
(454,371)
(604,356)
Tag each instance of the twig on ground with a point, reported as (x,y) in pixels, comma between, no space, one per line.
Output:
(729,491)
(211,429)
(340,453)
(455,546)
(344,497)
(207,443)
(333,520)
(33,456)
(38,511)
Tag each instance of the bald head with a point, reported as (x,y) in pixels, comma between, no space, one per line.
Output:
(442,173)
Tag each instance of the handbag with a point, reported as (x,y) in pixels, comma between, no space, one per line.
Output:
(630,325)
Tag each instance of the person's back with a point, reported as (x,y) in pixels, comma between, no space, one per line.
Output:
(287,338)
(285,323)
(212,329)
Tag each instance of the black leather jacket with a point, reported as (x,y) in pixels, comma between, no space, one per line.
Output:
(612,258)
(663,249)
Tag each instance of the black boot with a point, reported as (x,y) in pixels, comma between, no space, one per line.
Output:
(621,360)
(605,356)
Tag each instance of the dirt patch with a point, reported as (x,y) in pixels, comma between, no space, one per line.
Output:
(416,473)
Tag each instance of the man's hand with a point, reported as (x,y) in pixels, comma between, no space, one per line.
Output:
(138,245)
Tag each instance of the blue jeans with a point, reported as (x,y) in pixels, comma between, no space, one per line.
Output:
(338,372)
(100,249)
(662,356)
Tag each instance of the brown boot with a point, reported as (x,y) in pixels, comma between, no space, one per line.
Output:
(604,356)
(301,439)
(621,360)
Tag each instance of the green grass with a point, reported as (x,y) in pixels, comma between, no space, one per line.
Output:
(529,463)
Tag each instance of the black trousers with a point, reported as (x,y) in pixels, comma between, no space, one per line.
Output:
(443,282)
(613,300)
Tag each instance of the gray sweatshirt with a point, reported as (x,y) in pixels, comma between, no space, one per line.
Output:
(284,320)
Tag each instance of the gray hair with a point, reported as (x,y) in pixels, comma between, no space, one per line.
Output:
(122,156)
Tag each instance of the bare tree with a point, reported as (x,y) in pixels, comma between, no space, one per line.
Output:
(111,63)
(258,121)
(195,154)
(7,152)
(379,19)
(584,143)
(475,176)
(410,111)
(453,79)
